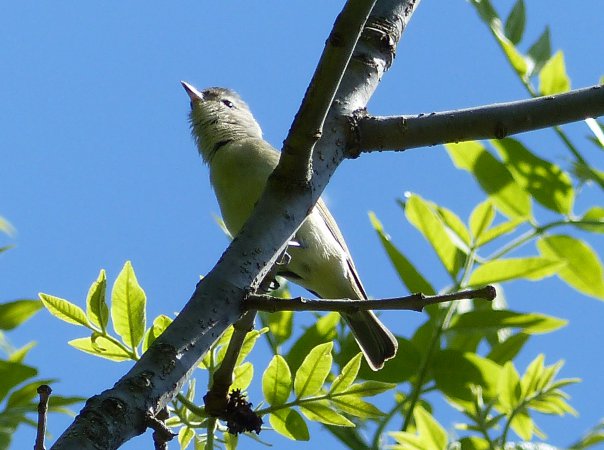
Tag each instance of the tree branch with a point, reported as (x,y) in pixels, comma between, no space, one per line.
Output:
(485,122)
(415,302)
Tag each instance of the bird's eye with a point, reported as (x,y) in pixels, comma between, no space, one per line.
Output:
(228,103)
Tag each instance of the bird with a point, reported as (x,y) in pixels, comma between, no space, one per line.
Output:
(230,142)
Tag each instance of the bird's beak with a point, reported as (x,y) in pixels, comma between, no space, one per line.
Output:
(193,93)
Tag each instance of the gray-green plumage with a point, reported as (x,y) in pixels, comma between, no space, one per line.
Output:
(230,141)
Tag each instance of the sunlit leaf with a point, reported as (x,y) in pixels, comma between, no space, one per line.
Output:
(65,310)
(128,303)
(313,371)
(355,406)
(481,321)
(507,350)
(594,214)
(407,272)
(493,177)
(347,375)
(553,78)
(280,324)
(509,388)
(96,305)
(421,215)
(516,59)
(540,51)
(530,268)
(546,182)
(102,347)
(481,219)
(13,374)
(290,424)
(242,376)
(277,381)
(500,230)
(324,330)
(160,323)
(430,434)
(322,411)
(583,269)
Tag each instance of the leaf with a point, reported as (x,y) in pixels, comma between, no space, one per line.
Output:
(6,227)
(13,314)
(96,305)
(321,411)
(481,218)
(313,371)
(583,269)
(421,215)
(128,303)
(277,381)
(460,234)
(456,372)
(480,322)
(509,388)
(402,367)
(523,425)
(409,275)
(368,388)
(516,59)
(64,310)
(19,354)
(540,51)
(531,268)
(493,177)
(553,78)
(347,375)
(102,347)
(598,131)
(499,230)
(514,24)
(185,436)
(280,325)
(160,323)
(324,330)
(355,406)
(13,374)
(430,434)
(595,214)
(242,376)
(290,424)
(546,182)
(508,349)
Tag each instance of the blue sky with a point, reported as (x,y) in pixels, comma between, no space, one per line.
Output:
(98,166)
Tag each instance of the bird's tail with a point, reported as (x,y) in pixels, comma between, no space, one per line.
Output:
(377,343)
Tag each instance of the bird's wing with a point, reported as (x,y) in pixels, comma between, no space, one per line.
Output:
(337,234)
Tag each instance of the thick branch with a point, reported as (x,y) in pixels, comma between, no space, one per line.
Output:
(414,302)
(485,122)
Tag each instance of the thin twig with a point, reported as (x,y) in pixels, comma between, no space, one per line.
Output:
(44,390)
(414,302)
(485,122)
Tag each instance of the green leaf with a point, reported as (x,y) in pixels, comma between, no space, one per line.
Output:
(598,131)
(423,217)
(402,367)
(594,214)
(368,388)
(532,375)
(546,182)
(313,372)
(455,227)
(509,388)
(96,305)
(128,303)
(523,425)
(553,78)
(102,347)
(242,376)
(321,411)
(409,275)
(19,354)
(64,310)
(347,375)
(531,268)
(493,177)
(160,323)
(185,436)
(474,443)
(507,350)
(482,321)
(516,59)
(481,218)
(277,381)
(486,11)
(280,324)
(13,374)
(430,434)
(230,441)
(24,396)
(324,330)
(353,405)
(540,51)
(499,230)
(13,314)
(290,424)
(456,372)
(6,227)
(583,269)
(514,24)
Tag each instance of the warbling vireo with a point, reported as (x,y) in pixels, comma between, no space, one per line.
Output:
(230,141)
